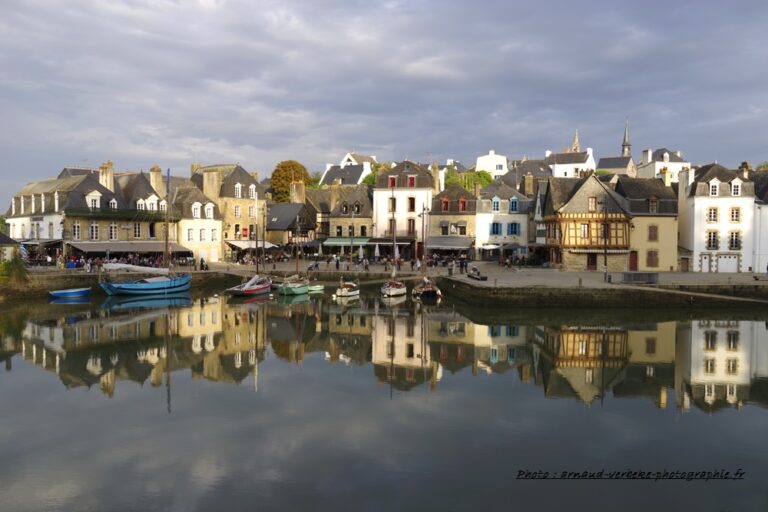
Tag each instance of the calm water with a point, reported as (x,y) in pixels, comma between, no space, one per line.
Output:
(219,405)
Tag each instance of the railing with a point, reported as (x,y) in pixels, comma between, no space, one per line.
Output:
(400,232)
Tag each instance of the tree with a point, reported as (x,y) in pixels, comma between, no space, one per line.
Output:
(467,180)
(285,172)
(370,180)
(762,166)
(314,180)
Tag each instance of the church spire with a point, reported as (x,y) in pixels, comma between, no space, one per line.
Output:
(575,147)
(626,147)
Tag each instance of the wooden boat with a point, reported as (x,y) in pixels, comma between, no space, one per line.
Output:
(316,288)
(426,289)
(393,288)
(294,285)
(474,273)
(393,301)
(70,293)
(149,285)
(257,285)
(347,288)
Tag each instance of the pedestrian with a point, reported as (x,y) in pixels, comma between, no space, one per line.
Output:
(412,264)
(337,263)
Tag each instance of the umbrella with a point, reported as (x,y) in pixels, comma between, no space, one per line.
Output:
(397,252)
(376,251)
(320,250)
(360,252)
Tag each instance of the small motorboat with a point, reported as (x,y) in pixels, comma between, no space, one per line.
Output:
(149,285)
(257,285)
(393,288)
(426,289)
(316,288)
(347,288)
(294,285)
(70,293)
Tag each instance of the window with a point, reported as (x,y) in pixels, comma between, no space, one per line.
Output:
(494,331)
(113,231)
(444,230)
(76,230)
(411,204)
(462,229)
(513,330)
(513,204)
(496,228)
(163,206)
(495,203)
(714,189)
(592,204)
(344,209)
(709,365)
(190,235)
(140,204)
(202,235)
(513,228)
(710,341)
(209,211)
(93,232)
(251,212)
(713,240)
(733,340)
(237,211)
(589,375)
(499,167)
(585,231)
(462,205)
(113,204)
(652,259)
(363,232)
(582,348)
(411,226)
(214,235)
(709,392)
(252,191)
(653,233)
(731,366)
(94,203)
(650,345)
(444,205)
(238,190)
(653,205)
(734,240)
(411,181)
(339,231)
(735,214)
(356,210)
(351,230)
(409,350)
(735,189)
(152,230)
(55,202)
(712,214)
(195,211)
(392,226)
(392,182)
(392,204)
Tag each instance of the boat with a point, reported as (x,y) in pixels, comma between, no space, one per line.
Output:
(149,285)
(349,300)
(394,287)
(393,301)
(348,288)
(257,285)
(426,289)
(316,288)
(294,285)
(163,300)
(70,293)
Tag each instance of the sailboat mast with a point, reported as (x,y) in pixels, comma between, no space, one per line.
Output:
(394,238)
(296,244)
(166,259)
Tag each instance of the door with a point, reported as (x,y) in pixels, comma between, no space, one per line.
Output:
(632,261)
(591,261)
(684,264)
(727,263)
(705,263)
(214,255)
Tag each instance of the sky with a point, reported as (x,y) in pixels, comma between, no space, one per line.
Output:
(256,82)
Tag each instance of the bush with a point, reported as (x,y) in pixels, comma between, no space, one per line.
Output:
(14,271)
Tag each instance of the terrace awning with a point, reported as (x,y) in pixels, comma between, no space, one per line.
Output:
(340,241)
(123,247)
(250,244)
(388,241)
(449,242)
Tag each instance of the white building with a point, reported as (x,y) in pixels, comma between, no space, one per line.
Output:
(400,196)
(352,169)
(655,164)
(501,222)
(495,165)
(716,208)
(571,164)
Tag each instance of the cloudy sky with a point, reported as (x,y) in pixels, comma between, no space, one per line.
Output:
(256,82)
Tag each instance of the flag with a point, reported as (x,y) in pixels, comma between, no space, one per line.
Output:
(24,252)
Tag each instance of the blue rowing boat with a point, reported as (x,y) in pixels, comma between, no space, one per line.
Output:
(149,286)
(70,293)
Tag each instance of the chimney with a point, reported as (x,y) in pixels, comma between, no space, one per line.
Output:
(194,166)
(528,182)
(679,154)
(434,170)
(255,176)
(646,156)
(666,175)
(335,193)
(476,189)
(156,180)
(492,152)
(547,153)
(107,175)
(212,183)
(298,194)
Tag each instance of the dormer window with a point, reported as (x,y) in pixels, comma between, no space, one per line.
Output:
(653,205)
(344,209)
(462,205)
(196,211)
(238,190)
(714,189)
(444,204)
(113,204)
(252,191)
(411,181)
(140,204)
(32,205)
(495,204)
(209,211)
(56,201)
(392,181)
(357,208)
(735,188)
(42,203)
(513,204)
(163,206)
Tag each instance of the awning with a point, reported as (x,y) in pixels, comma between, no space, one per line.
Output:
(40,242)
(122,247)
(250,244)
(512,246)
(340,241)
(599,251)
(443,223)
(489,247)
(311,243)
(388,241)
(462,223)
(449,242)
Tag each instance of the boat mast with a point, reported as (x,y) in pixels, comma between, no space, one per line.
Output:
(394,238)
(296,245)
(166,259)
(256,234)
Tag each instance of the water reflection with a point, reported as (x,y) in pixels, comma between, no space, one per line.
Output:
(709,365)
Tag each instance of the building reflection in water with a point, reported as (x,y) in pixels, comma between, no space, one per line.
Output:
(709,365)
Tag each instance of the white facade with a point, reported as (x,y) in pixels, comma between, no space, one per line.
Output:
(497,223)
(409,204)
(495,165)
(36,226)
(202,237)
(707,224)
(650,168)
(567,167)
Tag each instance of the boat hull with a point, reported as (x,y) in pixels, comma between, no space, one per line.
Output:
(70,293)
(287,289)
(318,288)
(393,291)
(152,286)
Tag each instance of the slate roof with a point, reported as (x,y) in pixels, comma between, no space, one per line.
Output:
(658,156)
(349,175)
(231,174)
(706,173)
(567,158)
(72,191)
(614,162)
(559,192)
(639,191)
(134,186)
(363,158)
(185,195)
(453,193)
(401,171)
(71,172)
(504,191)
(350,196)
(760,179)
(578,200)
(6,240)
(320,199)
(282,216)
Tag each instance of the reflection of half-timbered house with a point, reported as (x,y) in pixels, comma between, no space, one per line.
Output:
(587,225)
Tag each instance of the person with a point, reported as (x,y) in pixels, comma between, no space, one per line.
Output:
(337,262)
(203,265)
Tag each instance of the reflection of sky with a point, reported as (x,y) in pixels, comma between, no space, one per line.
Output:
(322,436)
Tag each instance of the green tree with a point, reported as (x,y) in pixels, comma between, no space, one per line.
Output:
(285,172)
(314,180)
(14,271)
(467,180)
(762,166)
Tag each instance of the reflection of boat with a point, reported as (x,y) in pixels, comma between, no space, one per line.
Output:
(287,300)
(70,293)
(316,288)
(256,285)
(252,299)
(394,300)
(348,288)
(346,301)
(149,285)
(294,285)
(71,300)
(177,300)
(427,289)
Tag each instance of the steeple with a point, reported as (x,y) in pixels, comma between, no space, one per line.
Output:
(575,147)
(626,147)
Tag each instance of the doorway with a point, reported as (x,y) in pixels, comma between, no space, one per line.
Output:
(591,261)
(632,261)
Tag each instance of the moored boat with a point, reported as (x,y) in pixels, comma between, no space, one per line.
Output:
(348,288)
(426,289)
(393,288)
(70,293)
(149,285)
(316,288)
(294,285)
(257,285)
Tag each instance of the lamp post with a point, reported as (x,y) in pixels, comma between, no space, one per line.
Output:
(351,237)
(423,215)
